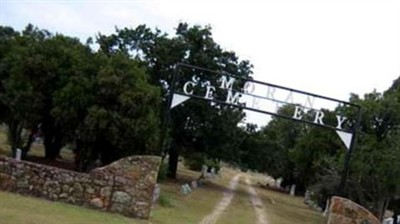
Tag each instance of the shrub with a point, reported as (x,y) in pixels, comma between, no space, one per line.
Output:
(164,200)
(194,161)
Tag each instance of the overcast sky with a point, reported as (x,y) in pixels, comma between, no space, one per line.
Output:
(327,47)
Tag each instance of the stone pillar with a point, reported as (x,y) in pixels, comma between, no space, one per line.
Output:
(345,211)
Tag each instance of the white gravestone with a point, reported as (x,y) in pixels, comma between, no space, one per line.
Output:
(18,154)
(194,184)
(156,193)
(278,182)
(204,171)
(307,197)
(388,221)
(185,189)
(292,189)
(213,172)
(188,188)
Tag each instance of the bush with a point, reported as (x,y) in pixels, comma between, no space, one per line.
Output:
(164,200)
(213,163)
(194,162)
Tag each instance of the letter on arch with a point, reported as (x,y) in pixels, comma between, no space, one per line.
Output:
(232,99)
(298,113)
(185,87)
(225,83)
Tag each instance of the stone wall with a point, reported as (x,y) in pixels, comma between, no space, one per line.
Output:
(345,211)
(125,186)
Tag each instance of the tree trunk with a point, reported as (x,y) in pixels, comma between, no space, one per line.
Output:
(52,138)
(173,162)
(15,129)
(53,145)
(27,147)
(396,212)
(381,209)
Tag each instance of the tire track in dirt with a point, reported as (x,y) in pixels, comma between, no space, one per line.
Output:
(257,204)
(223,203)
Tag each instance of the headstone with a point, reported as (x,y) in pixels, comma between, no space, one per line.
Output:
(388,221)
(194,184)
(292,189)
(185,189)
(188,189)
(199,182)
(278,182)
(306,197)
(204,170)
(156,193)
(213,172)
(18,154)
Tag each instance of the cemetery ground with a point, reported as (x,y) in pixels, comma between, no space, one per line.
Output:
(172,207)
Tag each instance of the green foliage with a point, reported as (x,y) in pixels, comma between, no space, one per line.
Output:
(102,103)
(213,163)
(378,143)
(165,201)
(313,158)
(195,161)
(123,119)
(196,126)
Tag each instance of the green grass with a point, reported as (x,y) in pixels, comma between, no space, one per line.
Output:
(5,148)
(285,209)
(288,209)
(186,209)
(17,209)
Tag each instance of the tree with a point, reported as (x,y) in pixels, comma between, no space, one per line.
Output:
(375,186)
(123,117)
(102,103)
(19,102)
(160,53)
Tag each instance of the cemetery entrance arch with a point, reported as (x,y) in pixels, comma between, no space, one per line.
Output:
(221,88)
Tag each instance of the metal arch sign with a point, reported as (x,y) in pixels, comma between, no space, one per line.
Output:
(253,95)
(225,89)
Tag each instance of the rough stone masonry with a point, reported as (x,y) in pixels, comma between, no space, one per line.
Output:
(125,186)
(344,211)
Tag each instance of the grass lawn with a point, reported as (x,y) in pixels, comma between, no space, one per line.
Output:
(285,209)
(17,209)
(192,208)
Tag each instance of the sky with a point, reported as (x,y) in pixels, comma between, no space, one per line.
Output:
(329,47)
